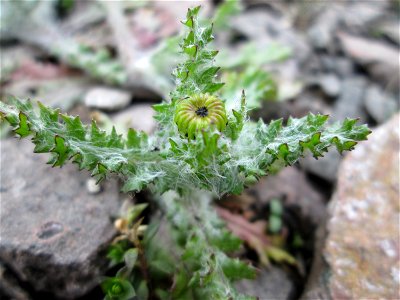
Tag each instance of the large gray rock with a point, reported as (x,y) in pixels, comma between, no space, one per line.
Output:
(53,232)
(329,83)
(360,257)
(350,103)
(271,283)
(325,167)
(322,30)
(379,104)
(380,59)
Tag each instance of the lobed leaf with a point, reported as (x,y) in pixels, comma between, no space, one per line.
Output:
(66,138)
(310,133)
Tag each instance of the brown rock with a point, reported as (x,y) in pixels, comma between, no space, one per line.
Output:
(362,246)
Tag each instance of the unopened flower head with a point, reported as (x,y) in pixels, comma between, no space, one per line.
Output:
(199,112)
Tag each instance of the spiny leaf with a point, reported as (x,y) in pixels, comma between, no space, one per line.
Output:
(61,150)
(47,115)
(225,241)
(203,237)
(88,146)
(236,269)
(290,142)
(236,122)
(23,129)
(74,124)
(135,139)
(99,172)
(197,73)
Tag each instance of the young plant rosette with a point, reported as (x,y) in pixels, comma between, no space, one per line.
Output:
(184,173)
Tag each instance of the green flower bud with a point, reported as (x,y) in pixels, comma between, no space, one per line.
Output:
(200,112)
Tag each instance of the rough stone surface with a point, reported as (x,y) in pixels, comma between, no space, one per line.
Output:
(107,98)
(329,83)
(350,103)
(321,32)
(138,117)
(391,30)
(291,185)
(379,105)
(53,231)
(381,60)
(271,283)
(362,246)
(274,29)
(366,51)
(325,167)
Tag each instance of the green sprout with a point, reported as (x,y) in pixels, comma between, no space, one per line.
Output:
(118,288)
(224,152)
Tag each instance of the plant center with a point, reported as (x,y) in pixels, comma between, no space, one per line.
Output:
(202,112)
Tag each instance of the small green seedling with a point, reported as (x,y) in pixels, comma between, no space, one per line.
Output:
(201,151)
(275,216)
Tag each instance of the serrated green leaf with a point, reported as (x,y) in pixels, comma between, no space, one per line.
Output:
(135,139)
(74,125)
(289,143)
(236,269)
(98,136)
(47,114)
(89,147)
(197,73)
(61,150)
(23,129)
(225,241)
(190,50)
(99,172)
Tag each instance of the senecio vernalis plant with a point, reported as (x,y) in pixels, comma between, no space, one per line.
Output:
(200,151)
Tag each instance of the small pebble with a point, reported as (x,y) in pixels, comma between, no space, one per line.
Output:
(92,187)
(107,98)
